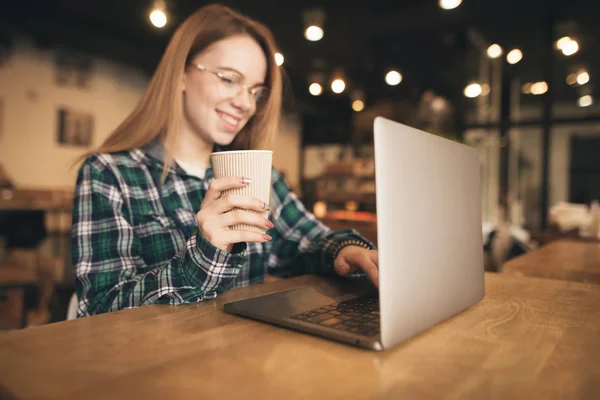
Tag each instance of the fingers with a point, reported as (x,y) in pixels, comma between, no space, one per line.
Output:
(342,265)
(245,217)
(220,236)
(342,268)
(231,201)
(370,268)
(363,260)
(216,215)
(247,236)
(374,256)
(219,185)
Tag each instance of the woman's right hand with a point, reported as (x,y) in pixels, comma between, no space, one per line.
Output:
(215,217)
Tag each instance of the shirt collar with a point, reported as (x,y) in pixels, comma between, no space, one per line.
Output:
(155,155)
(154,149)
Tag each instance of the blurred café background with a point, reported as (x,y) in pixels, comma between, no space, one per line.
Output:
(515,79)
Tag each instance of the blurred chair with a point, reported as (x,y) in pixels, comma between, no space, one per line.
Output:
(49,271)
(500,244)
(35,230)
(503,243)
(15,283)
(30,277)
(72,310)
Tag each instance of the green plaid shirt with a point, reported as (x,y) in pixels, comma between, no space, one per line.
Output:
(136,242)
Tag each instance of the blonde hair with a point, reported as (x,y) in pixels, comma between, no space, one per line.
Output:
(160,109)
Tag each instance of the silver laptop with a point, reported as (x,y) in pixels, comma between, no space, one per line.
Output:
(430,249)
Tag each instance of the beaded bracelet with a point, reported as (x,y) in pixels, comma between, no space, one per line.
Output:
(349,242)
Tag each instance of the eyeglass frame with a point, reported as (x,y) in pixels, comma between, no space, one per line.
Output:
(250,89)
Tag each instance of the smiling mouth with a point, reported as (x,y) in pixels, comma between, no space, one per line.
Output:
(230,122)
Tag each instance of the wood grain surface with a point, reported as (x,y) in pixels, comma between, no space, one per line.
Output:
(529,338)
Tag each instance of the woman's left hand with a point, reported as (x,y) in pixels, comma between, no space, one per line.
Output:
(355,258)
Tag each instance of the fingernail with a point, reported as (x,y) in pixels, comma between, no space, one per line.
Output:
(246,181)
(269,224)
(267,237)
(266,206)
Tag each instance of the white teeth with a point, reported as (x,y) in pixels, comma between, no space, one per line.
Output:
(229,119)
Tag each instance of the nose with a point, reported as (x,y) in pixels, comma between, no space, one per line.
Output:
(244,100)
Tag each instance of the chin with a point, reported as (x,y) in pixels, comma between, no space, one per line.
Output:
(224,139)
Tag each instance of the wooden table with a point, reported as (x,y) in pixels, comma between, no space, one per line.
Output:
(553,234)
(569,260)
(529,338)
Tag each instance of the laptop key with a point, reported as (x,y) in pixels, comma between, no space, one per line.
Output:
(359,316)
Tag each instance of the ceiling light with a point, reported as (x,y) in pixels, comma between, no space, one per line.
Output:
(338,86)
(279,59)
(585,101)
(539,88)
(572,79)
(526,88)
(313,33)
(315,89)
(449,4)
(473,90)
(393,78)
(314,21)
(494,51)
(560,43)
(583,78)
(514,56)
(570,48)
(158,18)
(358,105)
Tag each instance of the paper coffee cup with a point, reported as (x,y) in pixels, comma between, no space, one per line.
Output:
(253,164)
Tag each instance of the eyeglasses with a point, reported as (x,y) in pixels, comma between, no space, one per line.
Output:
(230,84)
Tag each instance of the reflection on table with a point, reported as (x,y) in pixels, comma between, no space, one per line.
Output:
(570,260)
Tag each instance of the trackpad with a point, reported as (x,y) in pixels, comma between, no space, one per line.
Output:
(282,304)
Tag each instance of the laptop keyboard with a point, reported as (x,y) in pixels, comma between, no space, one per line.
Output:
(359,315)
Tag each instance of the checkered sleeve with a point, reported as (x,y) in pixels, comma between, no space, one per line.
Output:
(302,244)
(110,273)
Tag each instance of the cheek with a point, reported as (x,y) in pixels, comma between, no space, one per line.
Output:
(198,99)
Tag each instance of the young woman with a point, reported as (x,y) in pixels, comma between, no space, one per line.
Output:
(150,224)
